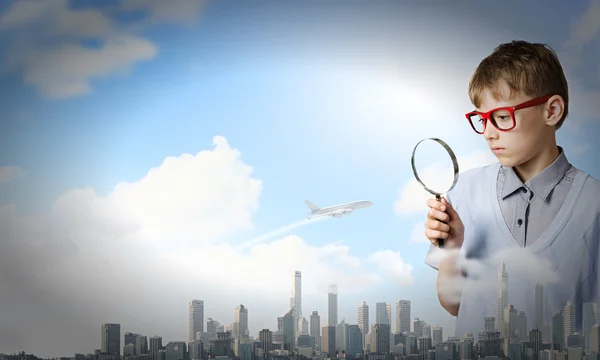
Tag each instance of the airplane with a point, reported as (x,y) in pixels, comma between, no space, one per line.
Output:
(336,211)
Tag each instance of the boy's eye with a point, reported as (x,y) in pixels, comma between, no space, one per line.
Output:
(501,116)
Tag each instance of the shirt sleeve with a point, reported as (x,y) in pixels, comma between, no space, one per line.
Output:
(433,256)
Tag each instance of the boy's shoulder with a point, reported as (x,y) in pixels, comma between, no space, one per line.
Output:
(475,180)
(590,188)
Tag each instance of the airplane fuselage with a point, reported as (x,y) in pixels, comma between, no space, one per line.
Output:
(338,211)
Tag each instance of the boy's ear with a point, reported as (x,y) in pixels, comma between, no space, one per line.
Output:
(555,108)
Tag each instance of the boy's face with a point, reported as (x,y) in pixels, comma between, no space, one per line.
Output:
(530,134)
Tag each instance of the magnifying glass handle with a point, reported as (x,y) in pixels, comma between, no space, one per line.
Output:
(438,197)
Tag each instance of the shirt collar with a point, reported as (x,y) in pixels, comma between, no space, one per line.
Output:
(541,184)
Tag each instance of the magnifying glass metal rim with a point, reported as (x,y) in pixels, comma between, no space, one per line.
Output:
(454,163)
(431,191)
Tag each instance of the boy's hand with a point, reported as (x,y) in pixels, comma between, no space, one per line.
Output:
(443,222)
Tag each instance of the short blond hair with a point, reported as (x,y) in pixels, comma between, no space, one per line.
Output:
(529,68)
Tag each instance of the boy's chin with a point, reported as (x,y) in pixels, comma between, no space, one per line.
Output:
(506,161)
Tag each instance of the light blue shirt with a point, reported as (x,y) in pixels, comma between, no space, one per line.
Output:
(563,258)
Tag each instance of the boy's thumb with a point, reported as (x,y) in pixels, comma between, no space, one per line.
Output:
(449,207)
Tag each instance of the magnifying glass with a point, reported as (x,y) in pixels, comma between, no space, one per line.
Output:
(438,174)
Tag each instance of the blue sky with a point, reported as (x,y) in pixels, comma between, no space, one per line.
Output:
(323,100)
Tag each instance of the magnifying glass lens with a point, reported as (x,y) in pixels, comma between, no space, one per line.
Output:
(434,166)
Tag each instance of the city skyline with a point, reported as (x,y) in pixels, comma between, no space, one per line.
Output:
(152,154)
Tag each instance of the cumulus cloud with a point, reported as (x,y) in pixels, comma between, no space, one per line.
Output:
(48,41)
(137,255)
(391,264)
(417,235)
(412,197)
(483,274)
(11,173)
(578,53)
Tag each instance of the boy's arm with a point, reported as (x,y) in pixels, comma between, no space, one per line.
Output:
(449,278)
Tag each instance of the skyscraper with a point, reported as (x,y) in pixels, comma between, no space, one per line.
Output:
(539,307)
(332,308)
(241,323)
(111,339)
(363,320)
(402,316)
(195,318)
(289,331)
(315,328)
(296,300)
(588,319)
(502,299)
(381,313)
(569,320)
(388,310)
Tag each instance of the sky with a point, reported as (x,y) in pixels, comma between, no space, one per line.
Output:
(151,154)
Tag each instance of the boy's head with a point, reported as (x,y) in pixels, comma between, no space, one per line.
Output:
(527,80)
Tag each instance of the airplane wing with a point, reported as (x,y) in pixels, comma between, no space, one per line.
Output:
(311,206)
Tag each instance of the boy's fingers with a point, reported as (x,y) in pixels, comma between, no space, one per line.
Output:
(434,204)
(448,205)
(438,215)
(437,225)
(435,234)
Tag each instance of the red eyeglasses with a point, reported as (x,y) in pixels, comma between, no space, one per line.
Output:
(502,118)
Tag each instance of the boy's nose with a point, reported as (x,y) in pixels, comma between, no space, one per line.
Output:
(490,132)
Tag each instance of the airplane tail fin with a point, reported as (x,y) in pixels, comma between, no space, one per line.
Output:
(311,206)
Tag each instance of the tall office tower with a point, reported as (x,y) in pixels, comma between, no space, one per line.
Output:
(539,306)
(558,332)
(111,339)
(141,345)
(213,327)
(402,316)
(296,300)
(341,336)
(315,328)
(363,321)
(332,308)
(155,347)
(418,326)
(328,342)
(436,334)
(569,320)
(304,326)
(381,315)
(388,310)
(241,320)
(380,338)
(489,324)
(355,341)
(195,318)
(510,323)
(588,319)
(288,330)
(523,335)
(595,342)
(502,299)
(266,340)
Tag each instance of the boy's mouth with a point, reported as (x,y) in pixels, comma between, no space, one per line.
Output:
(497,150)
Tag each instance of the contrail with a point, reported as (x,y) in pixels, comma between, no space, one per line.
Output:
(280,231)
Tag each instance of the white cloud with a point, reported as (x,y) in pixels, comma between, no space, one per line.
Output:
(575,54)
(46,41)
(585,28)
(417,236)
(483,274)
(393,266)
(159,242)
(11,173)
(412,197)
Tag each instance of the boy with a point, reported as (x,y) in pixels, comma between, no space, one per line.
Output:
(526,201)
